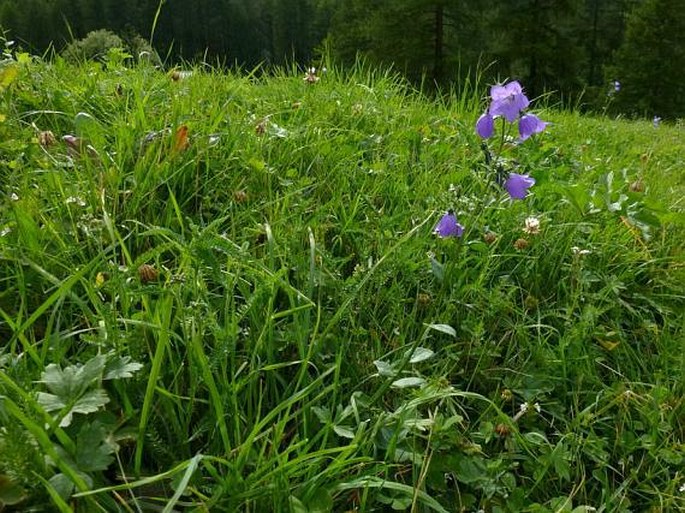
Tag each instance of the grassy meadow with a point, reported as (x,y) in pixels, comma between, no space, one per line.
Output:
(223,292)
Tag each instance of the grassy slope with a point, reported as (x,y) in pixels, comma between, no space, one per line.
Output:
(292,241)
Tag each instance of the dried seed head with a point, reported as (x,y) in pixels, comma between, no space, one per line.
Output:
(46,138)
(490,237)
(521,244)
(507,394)
(502,430)
(240,196)
(423,299)
(260,128)
(147,273)
(637,186)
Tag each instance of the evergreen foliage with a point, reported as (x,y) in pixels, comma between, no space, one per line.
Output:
(651,60)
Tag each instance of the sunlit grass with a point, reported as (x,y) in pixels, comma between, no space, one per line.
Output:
(307,343)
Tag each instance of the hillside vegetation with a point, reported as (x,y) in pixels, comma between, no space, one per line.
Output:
(225,293)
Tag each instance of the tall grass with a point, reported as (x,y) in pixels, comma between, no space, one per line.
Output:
(263,320)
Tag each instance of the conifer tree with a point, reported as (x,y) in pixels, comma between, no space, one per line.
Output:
(651,60)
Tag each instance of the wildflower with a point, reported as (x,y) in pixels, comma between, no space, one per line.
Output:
(580,252)
(448,226)
(14,196)
(517,185)
(508,101)
(532,226)
(530,124)
(311,77)
(485,126)
(75,199)
(656,121)
(682,488)
(617,86)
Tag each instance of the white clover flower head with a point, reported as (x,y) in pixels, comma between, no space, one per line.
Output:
(532,225)
(523,408)
(580,252)
(75,199)
(537,407)
(682,488)
(14,196)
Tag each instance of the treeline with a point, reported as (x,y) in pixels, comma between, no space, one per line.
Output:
(572,48)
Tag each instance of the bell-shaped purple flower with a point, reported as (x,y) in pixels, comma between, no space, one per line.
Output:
(508,101)
(517,185)
(530,124)
(485,126)
(448,226)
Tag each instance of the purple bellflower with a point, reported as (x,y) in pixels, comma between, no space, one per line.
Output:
(530,124)
(508,101)
(448,226)
(517,185)
(485,126)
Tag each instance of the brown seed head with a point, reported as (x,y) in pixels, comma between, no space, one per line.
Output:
(240,196)
(502,430)
(507,394)
(423,299)
(637,186)
(490,237)
(147,273)
(521,244)
(46,138)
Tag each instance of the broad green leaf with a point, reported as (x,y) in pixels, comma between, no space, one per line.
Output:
(421,354)
(384,368)
(10,492)
(444,328)
(62,485)
(94,452)
(50,402)
(344,432)
(72,382)
(86,125)
(437,269)
(296,505)
(91,401)
(408,382)
(121,367)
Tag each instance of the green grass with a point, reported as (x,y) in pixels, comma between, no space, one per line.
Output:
(301,341)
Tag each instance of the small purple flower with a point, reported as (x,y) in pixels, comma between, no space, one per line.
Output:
(448,226)
(485,126)
(617,86)
(508,101)
(517,185)
(530,124)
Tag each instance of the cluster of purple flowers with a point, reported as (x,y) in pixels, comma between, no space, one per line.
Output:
(509,102)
